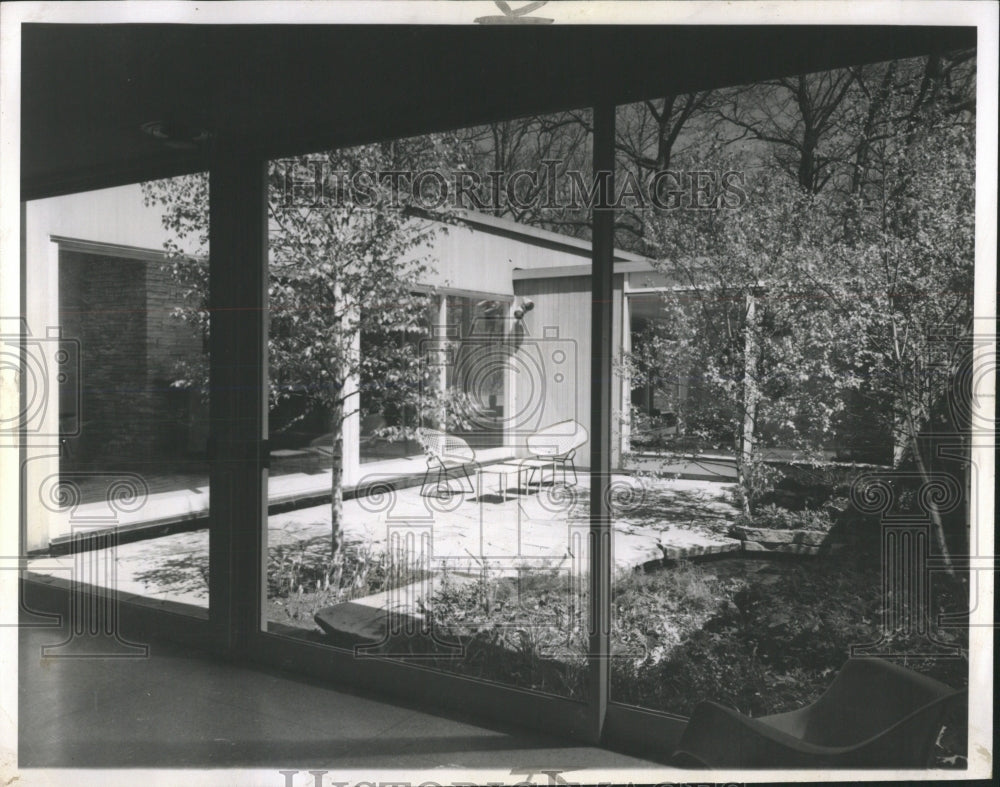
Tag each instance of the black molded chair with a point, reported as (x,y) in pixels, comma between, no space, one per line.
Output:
(874,715)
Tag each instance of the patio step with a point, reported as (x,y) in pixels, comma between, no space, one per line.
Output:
(701,550)
(174,512)
(370,621)
(352,624)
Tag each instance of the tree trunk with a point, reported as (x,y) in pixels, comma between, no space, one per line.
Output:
(911,419)
(337,473)
(875,105)
(936,524)
(741,476)
(751,397)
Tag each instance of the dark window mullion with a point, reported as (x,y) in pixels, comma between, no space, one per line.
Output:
(600,419)
(238,391)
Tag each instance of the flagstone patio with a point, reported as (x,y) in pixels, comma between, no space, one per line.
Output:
(548,526)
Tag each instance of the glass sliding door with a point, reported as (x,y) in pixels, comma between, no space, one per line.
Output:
(116,345)
(754,371)
(478,378)
(428,364)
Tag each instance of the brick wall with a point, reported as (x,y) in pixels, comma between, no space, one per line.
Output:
(120,311)
(182,418)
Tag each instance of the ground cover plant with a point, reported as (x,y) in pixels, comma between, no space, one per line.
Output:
(760,636)
(774,517)
(306,576)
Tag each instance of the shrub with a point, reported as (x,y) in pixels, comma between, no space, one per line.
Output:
(759,479)
(776,518)
(654,612)
(810,484)
(780,641)
(528,631)
(532,631)
(303,577)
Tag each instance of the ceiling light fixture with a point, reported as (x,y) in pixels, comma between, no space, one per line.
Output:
(179,136)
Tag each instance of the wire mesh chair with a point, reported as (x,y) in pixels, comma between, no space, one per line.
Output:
(448,457)
(557,445)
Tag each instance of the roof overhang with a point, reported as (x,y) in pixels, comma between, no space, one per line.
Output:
(282,89)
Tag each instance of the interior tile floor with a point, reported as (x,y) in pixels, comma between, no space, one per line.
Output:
(179,708)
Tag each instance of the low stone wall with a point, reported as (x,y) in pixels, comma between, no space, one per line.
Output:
(789,542)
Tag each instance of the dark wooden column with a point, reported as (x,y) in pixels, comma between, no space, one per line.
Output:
(238,377)
(600,415)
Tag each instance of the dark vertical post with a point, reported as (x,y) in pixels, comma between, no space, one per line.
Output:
(22,388)
(600,415)
(238,404)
